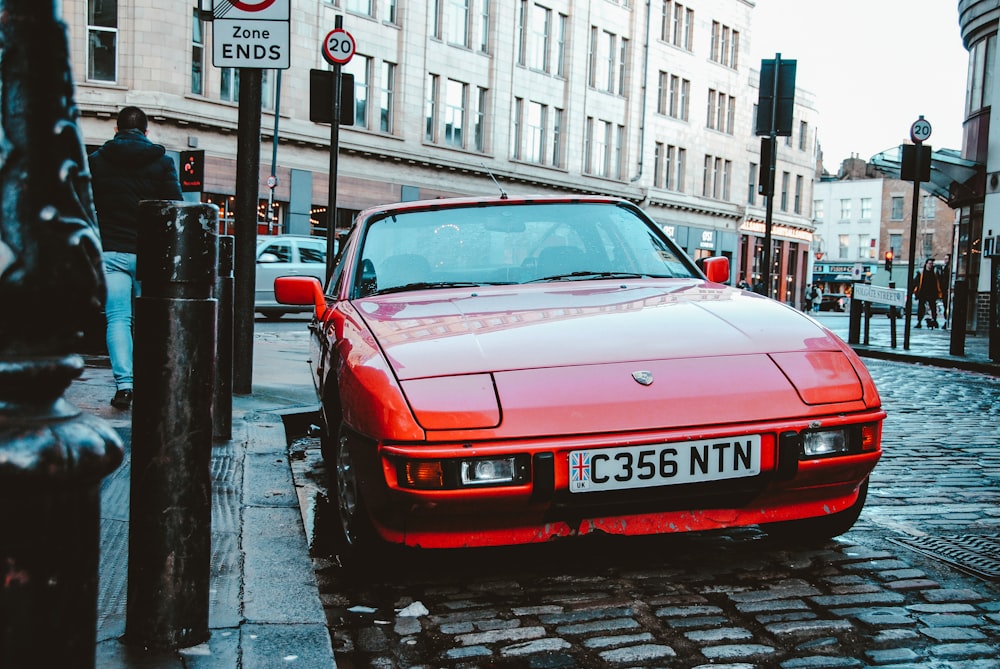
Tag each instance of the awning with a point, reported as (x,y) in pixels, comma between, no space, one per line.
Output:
(954,179)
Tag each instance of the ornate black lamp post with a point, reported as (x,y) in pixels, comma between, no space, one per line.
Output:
(52,457)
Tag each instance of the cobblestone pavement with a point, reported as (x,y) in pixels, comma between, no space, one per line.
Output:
(737,600)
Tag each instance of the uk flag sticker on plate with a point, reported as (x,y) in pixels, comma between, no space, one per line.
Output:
(579,470)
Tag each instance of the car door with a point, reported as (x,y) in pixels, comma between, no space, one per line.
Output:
(274,257)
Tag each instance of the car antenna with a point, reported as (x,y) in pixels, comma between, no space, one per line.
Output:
(503,193)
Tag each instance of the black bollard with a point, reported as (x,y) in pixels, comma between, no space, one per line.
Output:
(959,314)
(52,456)
(170,514)
(222,402)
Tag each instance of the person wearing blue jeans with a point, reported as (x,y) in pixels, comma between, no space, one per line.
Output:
(125,170)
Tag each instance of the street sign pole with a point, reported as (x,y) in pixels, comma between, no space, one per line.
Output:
(338,49)
(919,131)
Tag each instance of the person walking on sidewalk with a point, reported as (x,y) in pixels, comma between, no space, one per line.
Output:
(124,170)
(927,290)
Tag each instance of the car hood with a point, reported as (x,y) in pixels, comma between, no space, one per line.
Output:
(449,332)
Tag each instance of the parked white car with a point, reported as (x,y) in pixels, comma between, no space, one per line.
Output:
(285,255)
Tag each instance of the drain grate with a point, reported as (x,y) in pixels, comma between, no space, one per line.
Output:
(977,555)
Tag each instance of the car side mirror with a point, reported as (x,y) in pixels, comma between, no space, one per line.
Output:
(716,269)
(267,257)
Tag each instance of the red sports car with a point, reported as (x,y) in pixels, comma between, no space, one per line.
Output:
(513,370)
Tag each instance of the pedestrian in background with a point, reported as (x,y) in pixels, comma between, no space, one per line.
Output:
(927,290)
(814,298)
(126,169)
(743,284)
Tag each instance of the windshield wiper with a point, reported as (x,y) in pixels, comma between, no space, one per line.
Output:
(574,276)
(423,285)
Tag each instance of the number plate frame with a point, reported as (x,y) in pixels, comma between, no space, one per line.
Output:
(664,464)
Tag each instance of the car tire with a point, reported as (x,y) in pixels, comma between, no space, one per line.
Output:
(359,541)
(271,315)
(809,530)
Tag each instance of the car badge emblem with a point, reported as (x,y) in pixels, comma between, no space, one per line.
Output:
(644,377)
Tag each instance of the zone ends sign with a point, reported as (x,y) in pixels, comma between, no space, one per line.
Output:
(251,33)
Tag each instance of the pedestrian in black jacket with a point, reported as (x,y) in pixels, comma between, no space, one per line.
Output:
(125,170)
(927,289)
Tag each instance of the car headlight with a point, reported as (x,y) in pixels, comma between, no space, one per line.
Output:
(827,442)
(452,474)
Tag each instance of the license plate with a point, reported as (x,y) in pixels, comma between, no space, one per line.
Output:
(672,463)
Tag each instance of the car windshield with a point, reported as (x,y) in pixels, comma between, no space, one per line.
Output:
(511,244)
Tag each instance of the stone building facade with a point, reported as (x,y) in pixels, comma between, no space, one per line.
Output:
(650,101)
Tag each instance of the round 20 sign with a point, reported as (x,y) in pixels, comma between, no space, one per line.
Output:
(338,47)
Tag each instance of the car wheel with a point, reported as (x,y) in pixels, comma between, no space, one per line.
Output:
(358,536)
(272,315)
(821,528)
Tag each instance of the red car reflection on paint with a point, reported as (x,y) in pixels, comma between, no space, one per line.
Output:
(512,370)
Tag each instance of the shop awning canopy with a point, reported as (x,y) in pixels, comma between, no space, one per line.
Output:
(954,179)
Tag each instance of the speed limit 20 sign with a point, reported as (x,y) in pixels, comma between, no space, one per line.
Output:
(338,47)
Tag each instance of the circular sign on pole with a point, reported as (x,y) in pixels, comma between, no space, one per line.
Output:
(920,131)
(338,47)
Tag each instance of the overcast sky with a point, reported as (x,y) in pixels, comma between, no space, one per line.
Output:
(874,66)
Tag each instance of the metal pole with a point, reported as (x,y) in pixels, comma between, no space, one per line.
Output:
(272,184)
(768,216)
(170,507)
(331,207)
(222,401)
(52,456)
(245,227)
(913,243)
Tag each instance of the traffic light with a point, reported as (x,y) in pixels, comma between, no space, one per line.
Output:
(888,261)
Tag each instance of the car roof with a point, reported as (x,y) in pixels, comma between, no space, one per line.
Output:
(494,200)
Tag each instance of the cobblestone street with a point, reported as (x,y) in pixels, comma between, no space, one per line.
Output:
(913,584)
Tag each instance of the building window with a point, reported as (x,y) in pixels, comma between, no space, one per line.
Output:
(392,16)
(927,244)
(895,243)
(866,209)
(597,150)
(102,40)
(431,108)
(484,27)
(843,247)
(522,32)
(799,184)
(268,89)
(479,119)
(557,150)
(518,121)
(658,165)
(604,73)
(360,67)
(865,247)
(716,178)
(538,39)
(197,55)
(896,213)
(818,210)
(229,84)
(619,160)
(676,168)
(930,211)
(845,210)
(386,97)
(454,113)
(457,22)
(721,111)
(785,178)
(363,7)
(534,130)
(752,185)
(724,45)
(803,135)
(561,45)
